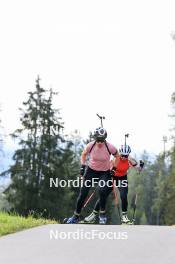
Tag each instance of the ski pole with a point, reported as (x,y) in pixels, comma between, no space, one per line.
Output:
(135,201)
(126,136)
(89,198)
(116,199)
(85,203)
(101,119)
(134,208)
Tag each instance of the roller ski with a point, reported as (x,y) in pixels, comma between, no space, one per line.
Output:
(90,219)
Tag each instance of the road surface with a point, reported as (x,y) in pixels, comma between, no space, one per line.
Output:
(90,244)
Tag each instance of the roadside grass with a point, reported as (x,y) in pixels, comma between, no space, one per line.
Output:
(11,223)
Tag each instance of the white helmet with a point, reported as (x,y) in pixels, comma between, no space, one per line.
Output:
(125,150)
(100,134)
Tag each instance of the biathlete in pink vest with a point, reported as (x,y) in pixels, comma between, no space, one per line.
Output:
(120,167)
(99,152)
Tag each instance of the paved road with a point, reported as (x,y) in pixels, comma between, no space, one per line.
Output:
(89,244)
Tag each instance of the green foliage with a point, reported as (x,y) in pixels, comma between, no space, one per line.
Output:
(11,223)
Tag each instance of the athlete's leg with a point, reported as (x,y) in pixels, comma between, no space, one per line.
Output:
(123,189)
(104,190)
(89,175)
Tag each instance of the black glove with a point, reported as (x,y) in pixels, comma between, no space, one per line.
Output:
(82,170)
(141,164)
(112,172)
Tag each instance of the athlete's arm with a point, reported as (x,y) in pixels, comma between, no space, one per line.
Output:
(115,161)
(83,160)
(84,155)
(116,155)
(132,161)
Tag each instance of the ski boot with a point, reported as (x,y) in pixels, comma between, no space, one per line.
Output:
(72,220)
(125,220)
(91,219)
(102,219)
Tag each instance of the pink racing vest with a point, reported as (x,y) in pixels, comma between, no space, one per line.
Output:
(100,156)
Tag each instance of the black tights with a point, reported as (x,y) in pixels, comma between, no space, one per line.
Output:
(103,191)
(123,193)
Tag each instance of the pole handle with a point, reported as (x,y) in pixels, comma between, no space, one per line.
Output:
(126,136)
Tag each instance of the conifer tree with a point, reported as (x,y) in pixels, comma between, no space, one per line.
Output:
(43,153)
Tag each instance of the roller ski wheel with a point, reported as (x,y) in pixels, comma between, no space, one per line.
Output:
(82,222)
(86,223)
(128,223)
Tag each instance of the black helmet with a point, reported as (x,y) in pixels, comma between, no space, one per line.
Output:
(100,134)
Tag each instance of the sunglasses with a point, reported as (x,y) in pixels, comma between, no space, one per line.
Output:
(99,141)
(124,156)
